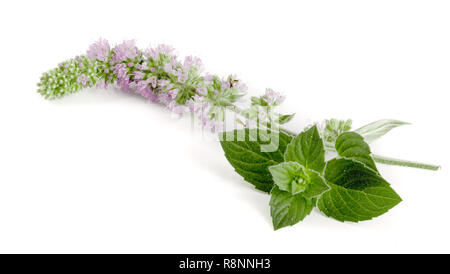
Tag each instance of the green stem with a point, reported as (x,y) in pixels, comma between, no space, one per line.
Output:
(397,162)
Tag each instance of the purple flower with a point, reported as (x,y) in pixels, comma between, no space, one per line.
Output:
(225,84)
(168,68)
(83,79)
(164,84)
(173,93)
(138,75)
(236,83)
(272,97)
(171,104)
(164,99)
(241,86)
(208,78)
(99,50)
(202,91)
(153,81)
(121,71)
(209,124)
(102,84)
(143,66)
(124,84)
(195,103)
(141,86)
(182,78)
(148,93)
(153,97)
(160,49)
(192,62)
(126,50)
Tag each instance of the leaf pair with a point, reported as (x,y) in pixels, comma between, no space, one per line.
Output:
(294,178)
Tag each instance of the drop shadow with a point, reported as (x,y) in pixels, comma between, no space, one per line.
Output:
(207,157)
(205,154)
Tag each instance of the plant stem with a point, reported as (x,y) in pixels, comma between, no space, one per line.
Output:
(377,158)
(397,162)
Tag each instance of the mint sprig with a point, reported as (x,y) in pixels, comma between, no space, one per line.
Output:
(291,167)
(348,187)
(375,130)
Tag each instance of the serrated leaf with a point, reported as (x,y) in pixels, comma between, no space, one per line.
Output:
(351,145)
(307,150)
(285,118)
(244,152)
(287,209)
(357,193)
(375,130)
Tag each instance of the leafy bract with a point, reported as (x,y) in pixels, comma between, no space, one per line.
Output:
(287,176)
(316,185)
(252,151)
(294,178)
(375,130)
(285,118)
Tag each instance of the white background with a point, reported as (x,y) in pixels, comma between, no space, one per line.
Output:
(103,171)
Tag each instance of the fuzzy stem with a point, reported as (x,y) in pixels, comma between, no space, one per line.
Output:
(398,162)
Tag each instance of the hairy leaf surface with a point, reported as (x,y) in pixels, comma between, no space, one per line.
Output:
(357,192)
(287,209)
(245,152)
(307,150)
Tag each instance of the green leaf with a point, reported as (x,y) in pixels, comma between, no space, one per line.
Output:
(375,130)
(357,193)
(307,150)
(285,118)
(247,151)
(258,101)
(287,209)
(351,145)
(293,178)
(316,185)
(285,177)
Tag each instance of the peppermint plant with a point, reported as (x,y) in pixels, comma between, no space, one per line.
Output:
(294,171)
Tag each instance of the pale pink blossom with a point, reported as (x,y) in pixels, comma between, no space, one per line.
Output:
(99,50)
(126,50)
